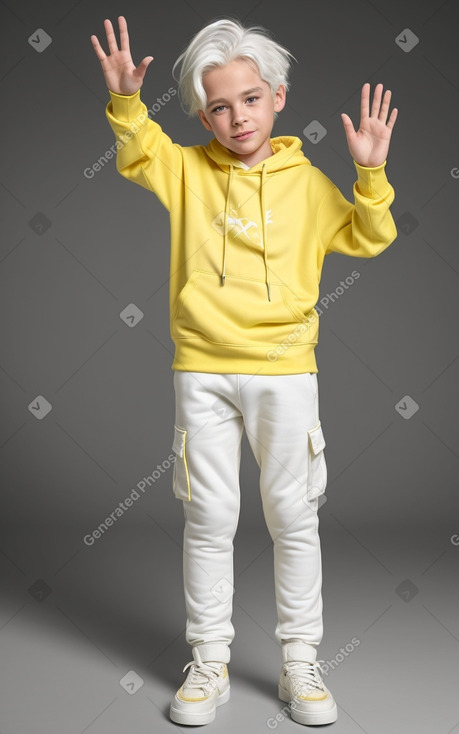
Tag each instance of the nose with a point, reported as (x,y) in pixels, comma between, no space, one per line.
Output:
(239,115)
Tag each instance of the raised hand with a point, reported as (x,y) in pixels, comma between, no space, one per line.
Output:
(121,74)
(369,146)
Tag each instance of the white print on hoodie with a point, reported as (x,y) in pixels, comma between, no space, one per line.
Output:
(244,229)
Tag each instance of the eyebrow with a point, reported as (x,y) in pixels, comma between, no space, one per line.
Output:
(243,94)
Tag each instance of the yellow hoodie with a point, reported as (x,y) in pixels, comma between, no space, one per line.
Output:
(247,244)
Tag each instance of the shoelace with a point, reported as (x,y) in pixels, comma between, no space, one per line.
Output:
(305,674)
(201,674)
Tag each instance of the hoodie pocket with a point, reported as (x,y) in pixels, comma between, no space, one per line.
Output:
(239,312)
(180,476)
(317,467)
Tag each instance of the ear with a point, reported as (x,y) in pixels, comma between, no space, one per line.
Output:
(279,98)
(204,120)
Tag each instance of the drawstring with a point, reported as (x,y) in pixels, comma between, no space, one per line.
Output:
(265,233)
(225,224)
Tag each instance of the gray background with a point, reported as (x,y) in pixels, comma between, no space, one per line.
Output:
(75,252)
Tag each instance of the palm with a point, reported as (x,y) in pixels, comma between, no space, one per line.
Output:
(121,74)
(118,68)
(369,146)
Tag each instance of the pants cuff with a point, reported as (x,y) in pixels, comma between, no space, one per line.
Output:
(298,650)
(213,651)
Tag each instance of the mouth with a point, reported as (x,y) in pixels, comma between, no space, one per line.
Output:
(244,136)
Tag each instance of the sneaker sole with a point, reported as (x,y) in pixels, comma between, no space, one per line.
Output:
(197,718)
(309,718)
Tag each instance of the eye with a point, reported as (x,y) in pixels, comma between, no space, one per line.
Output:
(222,107)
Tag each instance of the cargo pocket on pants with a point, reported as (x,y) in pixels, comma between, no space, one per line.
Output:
(180,477)
(317,467)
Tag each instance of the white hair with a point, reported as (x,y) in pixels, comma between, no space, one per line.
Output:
(220,42)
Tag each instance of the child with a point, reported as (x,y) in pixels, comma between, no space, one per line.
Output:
(251,222)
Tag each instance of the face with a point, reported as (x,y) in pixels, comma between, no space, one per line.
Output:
(239,101)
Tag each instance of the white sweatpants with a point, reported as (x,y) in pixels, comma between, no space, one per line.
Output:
(280,414)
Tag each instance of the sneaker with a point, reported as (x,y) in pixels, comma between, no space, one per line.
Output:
(206,687)
(301,685)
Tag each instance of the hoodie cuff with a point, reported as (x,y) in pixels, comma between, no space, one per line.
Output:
(372,182)
(126,107)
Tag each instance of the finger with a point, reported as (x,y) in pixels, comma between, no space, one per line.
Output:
(111,38)
(375,107)
(365,101)
(348,125)
(101,55)
(392,118)
(385,106)
(124,35)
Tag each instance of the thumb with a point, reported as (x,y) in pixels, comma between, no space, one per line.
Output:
(347,122)
(348,127)
(143,66)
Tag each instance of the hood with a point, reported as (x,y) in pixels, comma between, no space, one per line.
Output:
(287,153)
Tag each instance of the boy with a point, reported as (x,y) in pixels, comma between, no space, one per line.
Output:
(251,222)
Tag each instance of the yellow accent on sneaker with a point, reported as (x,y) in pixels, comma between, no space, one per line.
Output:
(314,696)
(187,698)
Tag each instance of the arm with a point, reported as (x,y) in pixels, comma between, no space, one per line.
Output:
(145,155)
(362,229)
